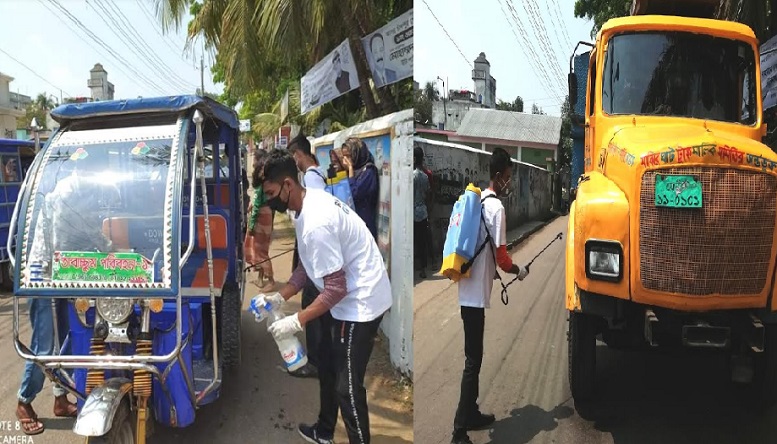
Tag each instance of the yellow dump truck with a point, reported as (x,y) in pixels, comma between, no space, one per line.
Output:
(672,233)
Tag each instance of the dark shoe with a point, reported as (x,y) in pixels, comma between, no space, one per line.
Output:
(306,371)
(310,434)
(481,421)
(460,438)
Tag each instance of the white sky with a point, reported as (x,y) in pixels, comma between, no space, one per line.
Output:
(37,34)
(482,26)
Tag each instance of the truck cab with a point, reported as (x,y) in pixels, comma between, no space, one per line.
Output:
(672,233)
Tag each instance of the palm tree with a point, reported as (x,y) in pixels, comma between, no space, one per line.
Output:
(754,13)
(255,38)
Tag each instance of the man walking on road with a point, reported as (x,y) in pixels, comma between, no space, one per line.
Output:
(475,295)
(339,254)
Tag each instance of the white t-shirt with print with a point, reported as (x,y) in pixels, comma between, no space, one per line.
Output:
(313,178)
(475,291)
(330,237)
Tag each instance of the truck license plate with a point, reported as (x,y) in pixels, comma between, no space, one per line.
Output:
(678,191)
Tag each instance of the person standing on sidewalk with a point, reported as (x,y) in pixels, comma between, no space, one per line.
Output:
(312,178)
(363,177)
(475,295)
(420,210)
(260,226)
(340,255)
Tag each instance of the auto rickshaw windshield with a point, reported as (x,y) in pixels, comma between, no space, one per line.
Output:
(98,210)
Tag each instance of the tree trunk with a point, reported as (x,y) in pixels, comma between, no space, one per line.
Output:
(362,68)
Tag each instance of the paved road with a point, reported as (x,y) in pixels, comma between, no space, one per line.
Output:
(258,404)
(649,398)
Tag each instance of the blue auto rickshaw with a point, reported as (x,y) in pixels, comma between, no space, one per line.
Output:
(15,158)
(133,213)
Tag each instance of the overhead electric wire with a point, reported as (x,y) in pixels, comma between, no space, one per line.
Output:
(134,78)
(561,21)
(449,36)
(33,71)
(140,47)
(116,29)
(534,58)
(528,49)
(540,31)
(165,38)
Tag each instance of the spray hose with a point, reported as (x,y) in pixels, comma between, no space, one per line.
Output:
(253,266)
(504,295)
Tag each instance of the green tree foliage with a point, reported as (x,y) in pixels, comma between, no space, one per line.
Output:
(536,109)
(424,103)
(601,10)
(515,105)
(38,109)
(264,45)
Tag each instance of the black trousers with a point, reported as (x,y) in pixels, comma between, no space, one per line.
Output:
(312,328)
(420,243)
(474,324)
(344,352)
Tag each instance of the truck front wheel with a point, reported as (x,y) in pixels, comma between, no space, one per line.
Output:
(765,378)
(582,355)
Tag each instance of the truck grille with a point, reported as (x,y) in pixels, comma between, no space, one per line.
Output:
(723,248)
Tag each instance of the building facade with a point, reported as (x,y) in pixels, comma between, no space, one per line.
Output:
(9,111)
(98,83)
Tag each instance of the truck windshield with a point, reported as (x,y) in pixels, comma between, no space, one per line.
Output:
(680,74)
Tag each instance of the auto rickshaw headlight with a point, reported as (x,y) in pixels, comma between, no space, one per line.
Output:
(82,305)
(155,305)
(115,310)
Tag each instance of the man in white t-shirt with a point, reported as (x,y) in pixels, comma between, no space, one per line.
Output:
(475,294)
(338,253)
(312,178)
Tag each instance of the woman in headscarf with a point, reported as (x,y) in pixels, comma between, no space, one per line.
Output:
(335,164)
(363,178)
(259,233)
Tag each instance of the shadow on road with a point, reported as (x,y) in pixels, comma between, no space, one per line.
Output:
(672,396)
(525,423)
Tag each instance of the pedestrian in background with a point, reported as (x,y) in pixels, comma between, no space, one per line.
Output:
(420,211)
(260,226)
(475,294)
(363,178)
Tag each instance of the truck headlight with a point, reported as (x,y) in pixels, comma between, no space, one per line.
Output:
(115,310)
(604,260)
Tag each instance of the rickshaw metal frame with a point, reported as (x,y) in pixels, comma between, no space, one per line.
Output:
(137,362)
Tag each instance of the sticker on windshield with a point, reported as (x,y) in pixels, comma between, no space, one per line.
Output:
(79,154)
(140,149)
(76,266)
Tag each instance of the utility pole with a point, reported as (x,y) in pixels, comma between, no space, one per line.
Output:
(202,75)
(444,108)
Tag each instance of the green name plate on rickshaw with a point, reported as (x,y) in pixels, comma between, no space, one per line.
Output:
(75,266)
(678,192)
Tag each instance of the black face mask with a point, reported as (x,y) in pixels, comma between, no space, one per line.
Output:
(278,205)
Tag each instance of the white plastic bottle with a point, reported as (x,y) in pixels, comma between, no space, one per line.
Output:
(290,347)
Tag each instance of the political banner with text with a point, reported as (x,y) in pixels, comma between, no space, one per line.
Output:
(390,50)
(332,77)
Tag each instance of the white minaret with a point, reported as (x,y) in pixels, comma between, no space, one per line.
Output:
(485,85)
(98,82)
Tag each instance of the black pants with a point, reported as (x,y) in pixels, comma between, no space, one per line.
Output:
(344,351)
(474,324)
(312,328)
(420,242)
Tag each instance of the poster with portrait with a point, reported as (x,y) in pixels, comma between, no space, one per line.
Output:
(379,145)
(330,78)
(390,50)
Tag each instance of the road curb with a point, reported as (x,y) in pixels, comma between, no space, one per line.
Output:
(514,243)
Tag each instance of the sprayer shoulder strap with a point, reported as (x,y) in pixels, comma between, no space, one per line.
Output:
(489,239)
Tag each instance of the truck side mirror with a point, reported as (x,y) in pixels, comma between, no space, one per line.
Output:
(572,81)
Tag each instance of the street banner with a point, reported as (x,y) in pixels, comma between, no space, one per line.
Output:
(332,77)
(390,50)
(769,73)
(245,125)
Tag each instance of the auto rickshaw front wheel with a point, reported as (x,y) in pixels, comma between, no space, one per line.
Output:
(582,356)
(122,428)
